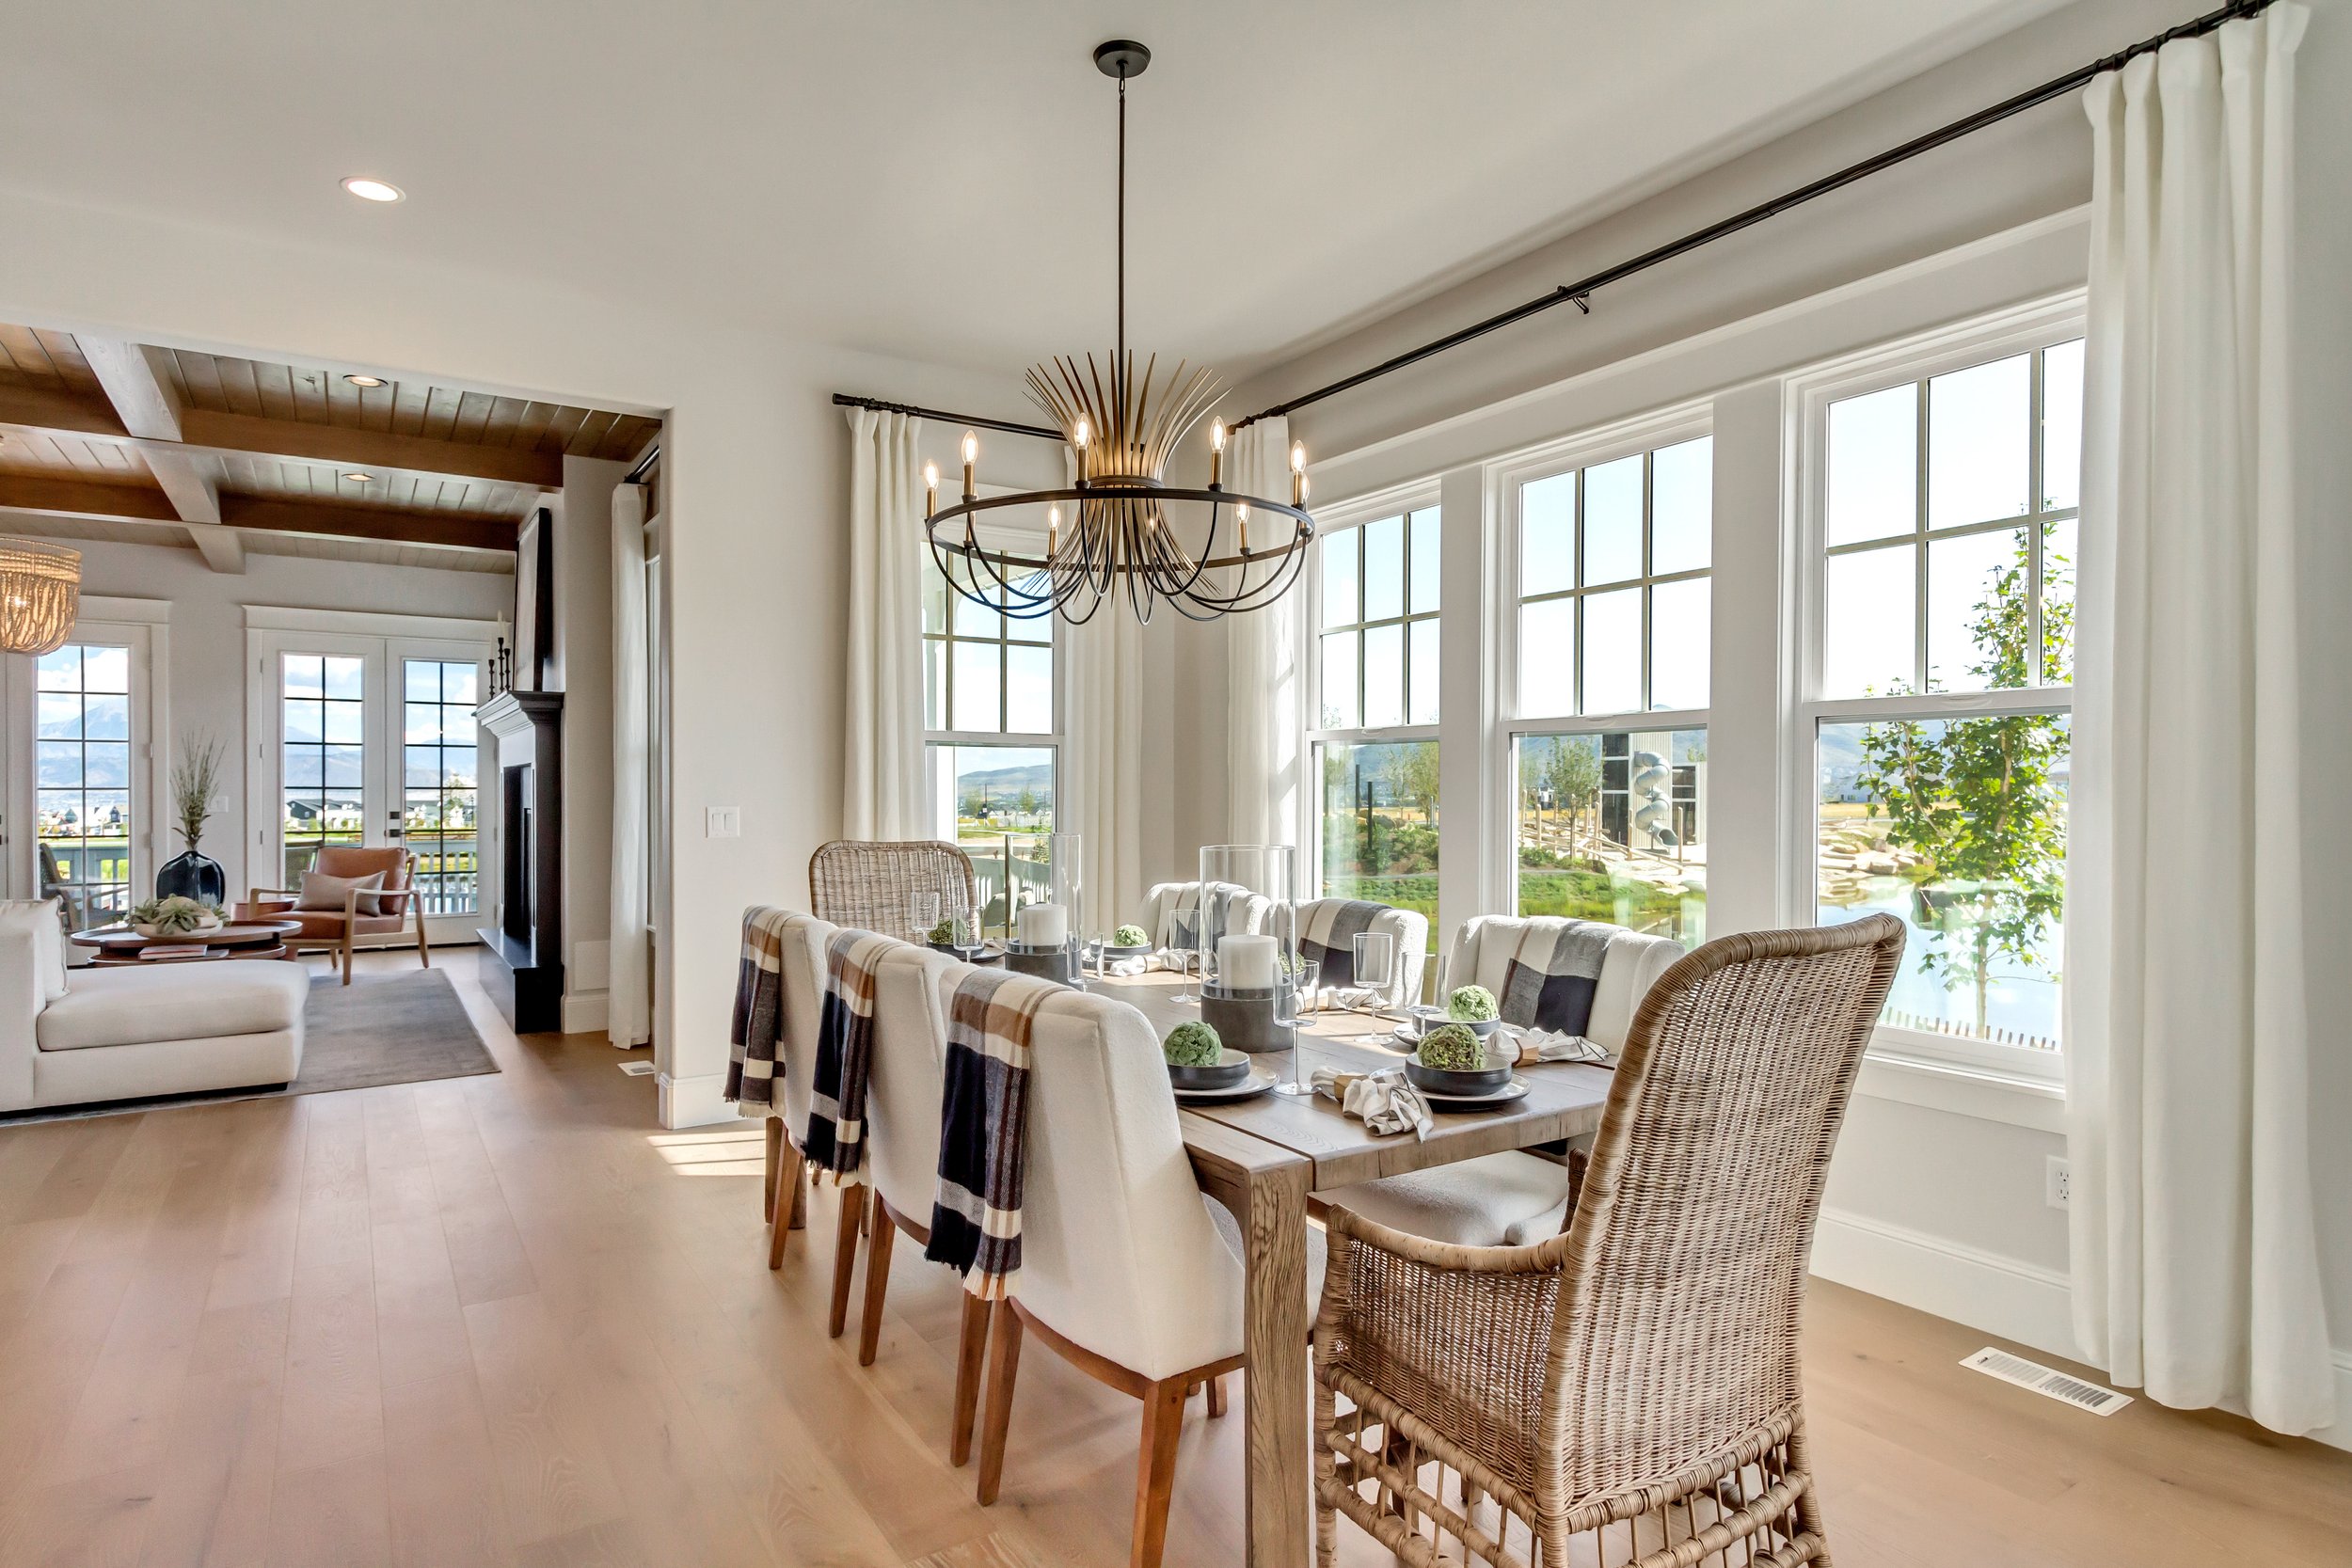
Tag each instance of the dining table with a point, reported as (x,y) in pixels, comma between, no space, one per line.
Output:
(1264,1158)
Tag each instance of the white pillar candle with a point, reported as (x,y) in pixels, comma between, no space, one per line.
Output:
(1044,926)
(1247,962)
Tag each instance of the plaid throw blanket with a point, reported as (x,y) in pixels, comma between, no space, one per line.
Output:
(1328,935)
(757,1037)
(1550,983)
(835,1144)
(983,1130)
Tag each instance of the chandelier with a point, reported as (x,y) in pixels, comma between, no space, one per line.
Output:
(41,596)
(1121,530)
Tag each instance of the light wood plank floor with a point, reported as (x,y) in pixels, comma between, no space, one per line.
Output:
(503,1320)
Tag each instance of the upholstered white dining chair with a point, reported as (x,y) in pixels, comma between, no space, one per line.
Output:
(903,1104)
(802,957)
(1327,932)
(1512,1198)
(1171,911)
(1128,1272)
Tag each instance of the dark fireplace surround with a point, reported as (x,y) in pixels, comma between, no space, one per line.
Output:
(524,970)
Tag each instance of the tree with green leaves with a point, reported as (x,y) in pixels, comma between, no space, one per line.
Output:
(1979,800)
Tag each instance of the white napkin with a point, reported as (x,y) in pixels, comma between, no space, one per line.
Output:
(1551,1045)
(1126,966)
(1382,1101)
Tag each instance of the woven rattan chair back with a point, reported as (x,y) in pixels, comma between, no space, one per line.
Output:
(870,886)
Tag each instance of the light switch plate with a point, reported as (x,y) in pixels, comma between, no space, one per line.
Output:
(722,821)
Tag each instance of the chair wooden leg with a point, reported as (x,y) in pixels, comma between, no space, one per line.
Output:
(794,1179)
(845,1255)
(1155,1471)
(346,955)
(971,1347)
(425,950)
(1004,1365)
(881,1235)
(773,1128)
(788,1180)
(1217,1397)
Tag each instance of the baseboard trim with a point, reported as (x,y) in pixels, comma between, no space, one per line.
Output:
(587,1013)
(696,1102)
(2021,1302)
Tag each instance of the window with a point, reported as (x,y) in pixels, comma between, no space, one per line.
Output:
(82,772)
(322,704)
(991,717)
(1611,602)
(1375,739)
(1945,527)
(440,781)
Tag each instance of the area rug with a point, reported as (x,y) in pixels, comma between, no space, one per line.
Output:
(405,1028)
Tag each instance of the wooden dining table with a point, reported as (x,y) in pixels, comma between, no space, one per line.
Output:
(1263,1157)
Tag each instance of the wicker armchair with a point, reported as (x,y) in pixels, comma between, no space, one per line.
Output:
(1627,1392)
(866,885)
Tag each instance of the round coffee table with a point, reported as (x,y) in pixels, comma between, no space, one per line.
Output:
(241,939)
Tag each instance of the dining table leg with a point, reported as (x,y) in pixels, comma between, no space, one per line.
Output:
(1272,1209)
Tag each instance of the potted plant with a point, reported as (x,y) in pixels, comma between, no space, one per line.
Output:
(164,918)
(193,875)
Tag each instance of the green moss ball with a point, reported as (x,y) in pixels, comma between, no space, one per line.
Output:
(1470,1004)
(1129,936)
(946,932)
(1193,1045)
(1451,1047)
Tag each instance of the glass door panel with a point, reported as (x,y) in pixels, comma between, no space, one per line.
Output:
(440,782)
(82,780)
(324,756)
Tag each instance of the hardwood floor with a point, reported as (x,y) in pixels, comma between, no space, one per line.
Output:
(505,1319)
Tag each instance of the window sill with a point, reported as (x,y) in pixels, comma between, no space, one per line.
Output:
(1983,1093)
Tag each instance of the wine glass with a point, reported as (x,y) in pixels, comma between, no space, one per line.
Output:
(1289,1010)
(1376,964)
(922,915)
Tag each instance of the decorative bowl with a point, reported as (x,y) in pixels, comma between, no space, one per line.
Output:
(1423,1019)
(1230,1068)
(156,933)
(1486,1080)
(1113,953)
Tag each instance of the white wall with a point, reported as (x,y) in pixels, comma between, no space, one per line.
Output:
(582,671)
(1936,1197)
(206,679)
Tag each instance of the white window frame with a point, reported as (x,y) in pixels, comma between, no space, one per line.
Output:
(1645,433)
(1420,496)
(1916,358)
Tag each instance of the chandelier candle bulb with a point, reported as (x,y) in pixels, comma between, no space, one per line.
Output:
(1299,473)
(1241,517)
(930,488)
(1247,962)
(1216,459)
(971,458)
(1053,531)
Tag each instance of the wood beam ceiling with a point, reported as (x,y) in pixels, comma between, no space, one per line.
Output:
(72,498)
(137,384)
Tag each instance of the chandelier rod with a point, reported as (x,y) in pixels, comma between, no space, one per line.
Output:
(1119,366)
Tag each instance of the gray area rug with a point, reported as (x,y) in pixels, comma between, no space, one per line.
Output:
(405,1028)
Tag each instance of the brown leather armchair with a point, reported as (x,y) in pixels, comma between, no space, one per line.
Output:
(332,930)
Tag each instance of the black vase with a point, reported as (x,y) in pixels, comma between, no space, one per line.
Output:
(191,875)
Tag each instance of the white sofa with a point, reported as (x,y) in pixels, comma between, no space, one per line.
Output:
(124,1032)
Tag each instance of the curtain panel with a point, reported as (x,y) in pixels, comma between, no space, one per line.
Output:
(1265,652)
(882,783)
(2196,1269)
(630,996)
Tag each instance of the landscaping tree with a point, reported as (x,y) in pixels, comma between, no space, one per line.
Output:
(1574,774)
(1980,799)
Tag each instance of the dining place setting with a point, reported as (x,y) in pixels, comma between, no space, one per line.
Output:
(1238,1132)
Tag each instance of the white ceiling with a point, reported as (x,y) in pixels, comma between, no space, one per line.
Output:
(933,180)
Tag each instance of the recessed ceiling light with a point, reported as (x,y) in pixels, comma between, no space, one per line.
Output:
(358,478)
(365,380)
(373,190)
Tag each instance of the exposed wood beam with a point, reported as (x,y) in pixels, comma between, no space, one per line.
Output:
(391,523)
(135,383)
(75,497)
(291,442)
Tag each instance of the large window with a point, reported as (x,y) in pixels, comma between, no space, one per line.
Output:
(1375,735)
(1945,534)
(1612,600)
(991,714)
(82,771)
(323,705)
(439,782)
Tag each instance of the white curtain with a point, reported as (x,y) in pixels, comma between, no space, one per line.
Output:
(2196,1271)
(629,999)
(1102,757)
(883,787)
(1264,710)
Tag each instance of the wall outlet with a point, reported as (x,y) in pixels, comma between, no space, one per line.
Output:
(722,821)
(2057,1183)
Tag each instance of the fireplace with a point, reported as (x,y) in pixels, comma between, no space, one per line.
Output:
(525,971)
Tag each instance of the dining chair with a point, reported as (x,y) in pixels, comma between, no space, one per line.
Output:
(870,886)
(1128,1270)
(1171,911)
(1511,1197)
(903,1107)
(333,931)
(1627,1392)
(1327,932)
(803,959)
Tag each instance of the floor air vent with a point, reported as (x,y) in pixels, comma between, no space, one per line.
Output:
(2047,1380)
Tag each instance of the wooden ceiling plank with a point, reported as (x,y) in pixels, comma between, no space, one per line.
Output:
(408,407)
(23,346)
(46,407)
(440,412)
(533,425)
(76,497)
(237,379)
(311,394)
(369,522)
(369,449)
(64,353)
(473,417)
(201,374)
(561,428)
(276,384)
(134,382)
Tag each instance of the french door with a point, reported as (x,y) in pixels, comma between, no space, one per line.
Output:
(370,740)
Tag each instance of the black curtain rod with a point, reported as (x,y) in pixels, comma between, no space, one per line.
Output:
(1578,292)
(847,400)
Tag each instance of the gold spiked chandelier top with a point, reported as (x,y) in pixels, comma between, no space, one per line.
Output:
(1121,530)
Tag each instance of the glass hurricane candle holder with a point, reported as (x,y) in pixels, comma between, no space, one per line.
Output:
(1247,935)
(1047,909)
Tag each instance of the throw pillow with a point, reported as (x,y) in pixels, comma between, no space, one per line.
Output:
(322,892)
